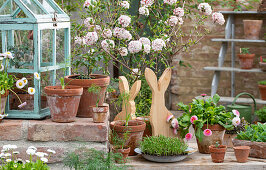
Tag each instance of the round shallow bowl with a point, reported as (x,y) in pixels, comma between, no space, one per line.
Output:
(166,159)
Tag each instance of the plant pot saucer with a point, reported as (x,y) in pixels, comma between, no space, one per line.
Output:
(165,159)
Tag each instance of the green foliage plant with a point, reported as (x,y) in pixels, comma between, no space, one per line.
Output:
(263,82)
(254,133)
(95,89)
(244,51)
(91,159)
(163,146)
(207,111)
(261,114)
(122,101)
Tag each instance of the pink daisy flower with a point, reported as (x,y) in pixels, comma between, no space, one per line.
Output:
(22,105)
(207,132)
(203,95)
(193,118)
(188,136)
(169,118)
(174,123)
(236,112)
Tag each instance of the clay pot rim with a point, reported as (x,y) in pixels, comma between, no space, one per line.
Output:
(246,55)
(116,125)
(215,127)
(101,80)
(68,91)
(125,150)
(262,86)
(214,149)
(106,109)
(241,147)
(252,20)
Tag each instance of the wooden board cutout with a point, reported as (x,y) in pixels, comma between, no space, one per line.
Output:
(128,107)
(159,112)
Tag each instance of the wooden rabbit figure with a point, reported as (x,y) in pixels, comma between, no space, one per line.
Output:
(128,107)
(159,112)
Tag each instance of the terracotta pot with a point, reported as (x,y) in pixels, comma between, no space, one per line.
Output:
(241,153)
(100,114)
(124,152)
(135,128)
(217,154)
(262,66)
(63,103)
(228,138)
(246,60)
(217,135)
(89,99)
(14,102)
(262,91)
(3,102)
(148,129)
(252,29)
(257,149)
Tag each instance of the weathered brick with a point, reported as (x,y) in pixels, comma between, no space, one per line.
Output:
(11,129)
(83,129)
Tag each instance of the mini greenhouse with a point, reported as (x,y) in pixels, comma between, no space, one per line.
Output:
(37,32)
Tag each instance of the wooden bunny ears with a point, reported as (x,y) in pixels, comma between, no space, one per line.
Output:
(128,107)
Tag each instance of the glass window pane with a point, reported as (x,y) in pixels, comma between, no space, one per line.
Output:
(33,7)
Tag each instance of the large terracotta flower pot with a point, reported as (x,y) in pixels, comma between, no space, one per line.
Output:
(135,128)
(124,154)
(252,29)
(63,103)
(89,99)
(262,91)
(217,154)
(241,153)
(217,135)
(246,60)
(100,114)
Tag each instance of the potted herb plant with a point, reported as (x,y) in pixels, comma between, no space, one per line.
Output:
(261,114)
(163,149)
(119,146)
(262,63)
(208,119)
(262,87)
(135,128)
(63,101)
(245,58)
(254,137)
(99,112)
(217,152)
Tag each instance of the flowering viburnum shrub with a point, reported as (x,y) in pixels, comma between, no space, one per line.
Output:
(11,158)
(205,111)
(149,36)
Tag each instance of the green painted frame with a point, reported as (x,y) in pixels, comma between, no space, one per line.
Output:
(37,23)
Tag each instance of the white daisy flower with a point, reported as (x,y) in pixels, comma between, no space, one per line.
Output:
(37,76)
(51,151)
(45,160)
(25,81)
(31,90)
(20,84)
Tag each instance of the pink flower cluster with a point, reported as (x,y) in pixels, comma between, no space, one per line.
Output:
(123,51)
(91,38)
(146,3)
(158,44)
(107,33)
(124,20)
(174,20)
(122,33)
(124,4)
(205,8)
(179,12)
(134,46)
(144,11)
(170,2)
(88,21)
(236,120)
(88,3)
(218,17)
(107,44)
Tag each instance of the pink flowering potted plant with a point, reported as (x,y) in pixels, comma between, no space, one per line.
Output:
(115,32)
(208,119)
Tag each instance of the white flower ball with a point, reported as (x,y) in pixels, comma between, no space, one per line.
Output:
(205,8)
(170,2)
(79,40)
(179,12)
(124,4)
(147,48)
(88,21)
(174,20)
(107,45)
(124,20)
(123,51)
(91,38)
(218,17)
(145,40)
(88,3)
(158,44)
(134,46)
(146,3)
(144,11)
(107,33)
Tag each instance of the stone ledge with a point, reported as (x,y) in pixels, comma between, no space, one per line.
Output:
(11,129)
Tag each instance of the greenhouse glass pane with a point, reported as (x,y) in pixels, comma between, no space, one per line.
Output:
(33,7)
(48,7)
(7,7)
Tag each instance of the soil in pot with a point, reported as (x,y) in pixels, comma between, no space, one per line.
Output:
(241,153)
(246,60)
(252,29)
(100,114)
(89,99)
(217,153)
(262,91)
(63,103)
(217,136)
(135,128)
(124,154)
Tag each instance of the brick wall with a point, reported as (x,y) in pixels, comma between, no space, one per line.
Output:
(190,82)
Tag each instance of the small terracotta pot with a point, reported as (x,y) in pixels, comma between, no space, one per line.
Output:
(100,114)
(148,129)
(89,99)
(217,154)
(135,128)
(217,136)
(252,29)
(241,153)
(262,91)
(63,103)
(124,152)
(246,60)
